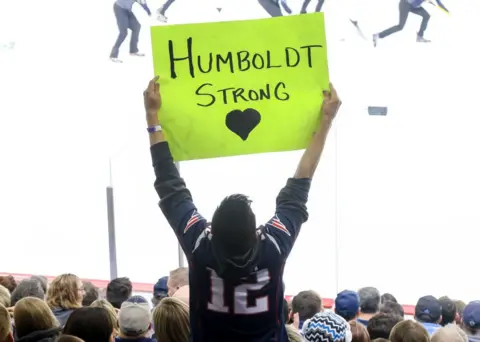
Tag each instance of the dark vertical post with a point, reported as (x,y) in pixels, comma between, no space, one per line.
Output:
(112,243)
(181,261)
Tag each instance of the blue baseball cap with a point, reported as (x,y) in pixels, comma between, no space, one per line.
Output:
(160,289)
(471,315)
(347,304)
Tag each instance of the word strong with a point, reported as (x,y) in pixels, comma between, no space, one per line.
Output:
(185,62)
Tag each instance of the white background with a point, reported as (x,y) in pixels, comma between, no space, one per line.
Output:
(394,203)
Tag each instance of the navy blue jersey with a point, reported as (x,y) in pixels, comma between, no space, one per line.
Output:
(246,309)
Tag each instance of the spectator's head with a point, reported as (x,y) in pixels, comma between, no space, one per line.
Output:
(5,298)
(392,308)
(326,326)
(171,321)
(33,316)
(234,227)
(387,297)
(409,331)
(91,293)
(160,290)
(471,318)
(177,279)
(118,291)
(359,332)
(347,305)
(66,292)
(449,333)
(293,334)
(460,305)
(28,288)
(42,280)
(9,282)
(183,294)
(449,310)
(428,310)
(90,324)
(5,325)
(380,325)
(369,300)
(306,304)
(134,318)
(69,338)
(286,312)
(112,314)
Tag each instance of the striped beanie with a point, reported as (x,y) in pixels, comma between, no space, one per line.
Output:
(326,326)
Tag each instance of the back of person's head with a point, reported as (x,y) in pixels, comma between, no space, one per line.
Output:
(326,326)
(134,318)
(392,308)
(359,332)
(90,324)
(428,310)
(5,297)
(234,226)
(42,280)
(306,304)
(171,321)
(112,314)
(177,279)
(293,334)
(28,288)
(347,305)
(160,290)
(9,282)
(91,293)
(69,338)
(449,333)
(449,310)
(118,291)
(380,325)
(5,325)
(66,292)
(369,300)
(32,315)
(409,331)
(388,297)
(471,318)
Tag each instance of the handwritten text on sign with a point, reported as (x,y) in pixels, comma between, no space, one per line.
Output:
(243,87)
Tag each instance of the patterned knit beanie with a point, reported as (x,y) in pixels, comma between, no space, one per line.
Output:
(326,327)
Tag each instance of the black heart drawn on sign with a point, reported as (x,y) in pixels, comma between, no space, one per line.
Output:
(242,123)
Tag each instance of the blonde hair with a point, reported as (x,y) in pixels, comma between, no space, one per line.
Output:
(32,314)
(112,313)
(179,277)
(4,296)
(409,331)
(5,323)
(449,333)
(293,334)
(63,292)
(171,321)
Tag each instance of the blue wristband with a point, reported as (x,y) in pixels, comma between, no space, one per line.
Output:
(154,129)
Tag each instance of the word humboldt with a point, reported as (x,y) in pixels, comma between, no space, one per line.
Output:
(236,61)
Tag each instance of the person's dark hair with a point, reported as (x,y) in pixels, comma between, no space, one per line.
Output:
(91,293)
(9,282)
(27,288)
(359,332)
(285,311)
(381,325)
(118,291)
(392,308)
(91,324)
(307,304)
(369,300)
(388,297)
(42,280)
(449,310)
(234,225)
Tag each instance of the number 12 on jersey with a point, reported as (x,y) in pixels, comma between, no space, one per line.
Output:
(241,295)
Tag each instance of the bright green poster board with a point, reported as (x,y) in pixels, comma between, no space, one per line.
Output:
(241,87)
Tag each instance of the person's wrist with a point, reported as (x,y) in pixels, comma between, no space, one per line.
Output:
(152,118)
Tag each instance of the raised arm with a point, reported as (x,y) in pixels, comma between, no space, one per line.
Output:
(291,211)
(442,6)
(143,3)
(175,199)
